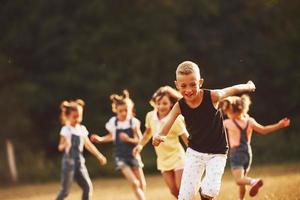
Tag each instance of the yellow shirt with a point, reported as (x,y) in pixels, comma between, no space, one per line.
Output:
(170,153)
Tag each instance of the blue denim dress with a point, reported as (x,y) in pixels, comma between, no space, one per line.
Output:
(241,156)
(123,150)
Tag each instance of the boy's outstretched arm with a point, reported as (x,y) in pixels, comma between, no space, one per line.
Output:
(218,95)
(157,139)
(285,122)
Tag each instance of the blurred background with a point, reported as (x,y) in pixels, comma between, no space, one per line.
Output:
(56,50)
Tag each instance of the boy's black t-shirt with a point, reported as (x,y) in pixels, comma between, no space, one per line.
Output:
(205,126)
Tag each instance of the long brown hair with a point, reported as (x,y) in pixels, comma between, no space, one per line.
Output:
(168,91)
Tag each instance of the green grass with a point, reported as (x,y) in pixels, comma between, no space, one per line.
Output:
(282,182)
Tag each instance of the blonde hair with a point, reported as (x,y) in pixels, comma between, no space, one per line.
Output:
(236,104)
(123,99)
(80,102)
(67,107)
(168,91)
(188,67)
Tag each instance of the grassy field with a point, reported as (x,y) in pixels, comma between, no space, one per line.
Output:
(282,182)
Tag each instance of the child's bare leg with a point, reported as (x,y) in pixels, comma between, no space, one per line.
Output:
(136,186)
(178,177)
(240,178)
(169,178)
(242,190)
(138,172)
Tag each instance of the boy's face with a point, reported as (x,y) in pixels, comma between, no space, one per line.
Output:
(188,85)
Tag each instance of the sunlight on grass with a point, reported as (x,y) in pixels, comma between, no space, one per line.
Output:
(282,182)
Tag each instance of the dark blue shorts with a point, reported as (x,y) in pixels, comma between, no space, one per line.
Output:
(240,159)
(127,162)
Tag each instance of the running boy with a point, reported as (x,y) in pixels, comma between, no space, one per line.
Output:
(208,146)
(240,127)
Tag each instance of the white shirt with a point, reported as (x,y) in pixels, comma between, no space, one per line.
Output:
(111,125)
(67,131)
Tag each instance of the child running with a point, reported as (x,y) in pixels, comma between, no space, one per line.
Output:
(73,137)
(208,146)
(170,154)
(124,130)
(240,127)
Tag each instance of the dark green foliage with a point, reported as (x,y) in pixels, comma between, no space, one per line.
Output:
(56,50)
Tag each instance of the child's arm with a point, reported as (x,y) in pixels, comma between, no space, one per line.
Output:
(165,130)
(104,139)
(136,137)
(185,138)
(145,139)
(264,130)
(62,143)
(218,95)
(91,148)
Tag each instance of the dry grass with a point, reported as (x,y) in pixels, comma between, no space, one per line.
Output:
(281,183)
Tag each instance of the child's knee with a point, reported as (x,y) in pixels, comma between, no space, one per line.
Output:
(136,183)
(239,182)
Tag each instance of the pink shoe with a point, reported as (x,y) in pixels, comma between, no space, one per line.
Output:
(256,186)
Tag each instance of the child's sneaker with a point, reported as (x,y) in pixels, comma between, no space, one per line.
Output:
(255,187)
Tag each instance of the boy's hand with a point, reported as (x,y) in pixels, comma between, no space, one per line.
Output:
(285,122)
(102,160)
(137,150)
(251,86)
(124,137)
(95,138)
(158,139)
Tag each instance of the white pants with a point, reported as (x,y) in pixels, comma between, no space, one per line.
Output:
(195,165)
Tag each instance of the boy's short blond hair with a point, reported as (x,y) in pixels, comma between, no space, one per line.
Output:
(188,67)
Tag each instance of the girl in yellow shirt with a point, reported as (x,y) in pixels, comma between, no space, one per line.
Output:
(170,154)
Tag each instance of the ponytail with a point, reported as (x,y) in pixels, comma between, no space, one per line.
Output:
(123,99)
(66,108)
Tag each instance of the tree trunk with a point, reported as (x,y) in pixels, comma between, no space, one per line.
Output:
(11,160)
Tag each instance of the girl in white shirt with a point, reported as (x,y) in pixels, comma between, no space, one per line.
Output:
(73,138)
(124,131)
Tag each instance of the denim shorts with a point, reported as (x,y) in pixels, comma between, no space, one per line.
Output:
(127,162)
(240,159)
